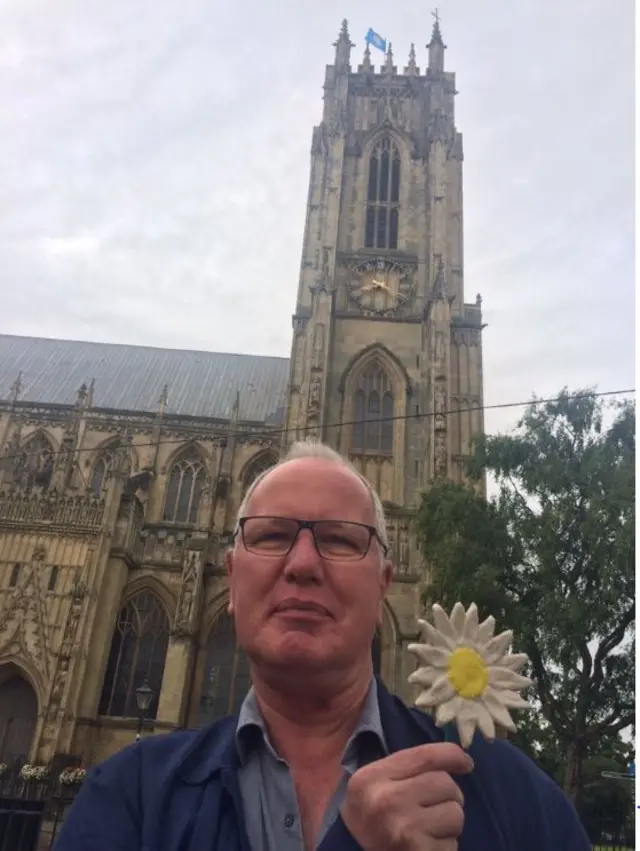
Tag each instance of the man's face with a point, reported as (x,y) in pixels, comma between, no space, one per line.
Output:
(301,610)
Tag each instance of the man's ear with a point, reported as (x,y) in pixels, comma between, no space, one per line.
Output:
(386,578)
(228,563)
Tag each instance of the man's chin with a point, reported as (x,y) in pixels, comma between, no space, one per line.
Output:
(297,649)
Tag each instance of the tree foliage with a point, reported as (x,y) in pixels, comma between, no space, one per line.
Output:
(551,557)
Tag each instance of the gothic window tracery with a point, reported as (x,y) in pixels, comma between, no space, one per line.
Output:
(258,465)
(35,464)
(187,480)
(102,469)
(138,653)
(373,411)
(383,196)
(226,676)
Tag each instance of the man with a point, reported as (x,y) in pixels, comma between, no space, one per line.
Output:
(321,755)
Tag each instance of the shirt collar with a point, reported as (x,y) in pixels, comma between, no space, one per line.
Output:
(365,743)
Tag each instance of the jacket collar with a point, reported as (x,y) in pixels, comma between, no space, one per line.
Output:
(214,749)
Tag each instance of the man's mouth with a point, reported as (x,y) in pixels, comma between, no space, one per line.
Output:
(302,606)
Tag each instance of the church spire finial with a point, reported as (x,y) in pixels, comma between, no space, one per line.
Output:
(366,60)
(16,389)
(163,401)
(388,62)
(412,67)
(343,47)
(436,46)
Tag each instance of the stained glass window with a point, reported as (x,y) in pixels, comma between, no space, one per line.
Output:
(101,470)
(383,196)
(373,412)
(226,678)
(184,491)
(138,653)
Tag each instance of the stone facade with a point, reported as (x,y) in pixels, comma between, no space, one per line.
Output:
(113,523)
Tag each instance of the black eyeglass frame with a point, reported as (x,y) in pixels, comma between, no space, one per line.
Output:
(310,525)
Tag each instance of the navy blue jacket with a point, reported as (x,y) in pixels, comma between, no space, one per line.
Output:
(180,792)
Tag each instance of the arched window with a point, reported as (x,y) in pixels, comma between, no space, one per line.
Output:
(138,653)
(383,196)
(18,718)
(226,679)
(184,491)
(258,465)
(36,462)
(373,412)
(101,470)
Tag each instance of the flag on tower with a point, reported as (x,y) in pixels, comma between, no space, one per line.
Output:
(376,40)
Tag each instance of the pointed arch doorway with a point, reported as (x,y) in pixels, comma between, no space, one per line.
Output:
(18,716)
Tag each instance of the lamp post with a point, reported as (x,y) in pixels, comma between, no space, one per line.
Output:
(144,696)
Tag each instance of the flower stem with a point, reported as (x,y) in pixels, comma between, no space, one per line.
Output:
(451,734)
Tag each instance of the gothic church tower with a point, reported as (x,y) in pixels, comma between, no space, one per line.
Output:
(386,360)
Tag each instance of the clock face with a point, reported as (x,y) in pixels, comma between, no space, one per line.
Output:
(378,292)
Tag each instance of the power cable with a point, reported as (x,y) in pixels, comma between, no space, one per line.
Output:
(401,417)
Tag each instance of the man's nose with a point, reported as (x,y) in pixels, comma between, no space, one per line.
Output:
(303,562)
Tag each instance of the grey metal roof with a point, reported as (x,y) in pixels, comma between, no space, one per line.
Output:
(131,378)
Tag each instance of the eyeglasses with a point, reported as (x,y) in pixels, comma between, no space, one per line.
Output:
(335,540)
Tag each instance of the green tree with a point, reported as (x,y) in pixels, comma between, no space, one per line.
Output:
(551,557)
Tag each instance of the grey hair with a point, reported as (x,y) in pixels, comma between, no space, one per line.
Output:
(315,449)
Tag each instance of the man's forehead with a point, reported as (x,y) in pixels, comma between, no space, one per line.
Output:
(313,476)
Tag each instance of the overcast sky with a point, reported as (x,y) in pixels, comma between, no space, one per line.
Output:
(154,160)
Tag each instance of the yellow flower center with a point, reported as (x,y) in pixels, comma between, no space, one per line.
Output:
(468,673)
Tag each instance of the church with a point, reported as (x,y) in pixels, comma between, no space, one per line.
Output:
(122,467)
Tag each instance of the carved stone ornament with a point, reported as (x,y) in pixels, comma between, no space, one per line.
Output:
(465,336)
(440,455)
(439,406)
(317,361)
(186,603)
(299,324)
(314,395)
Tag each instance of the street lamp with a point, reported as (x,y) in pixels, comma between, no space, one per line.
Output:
(144,696)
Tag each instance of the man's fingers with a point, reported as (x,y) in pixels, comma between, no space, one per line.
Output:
(442,756)
(431,788)
(444,821)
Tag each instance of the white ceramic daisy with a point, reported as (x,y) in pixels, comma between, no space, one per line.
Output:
(467,673)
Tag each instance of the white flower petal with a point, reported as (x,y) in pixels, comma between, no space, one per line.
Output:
(466,724)
(515,662)
(446,712)
(457,619)
(422,701)
(503,678)
(510,699)
(442,622)
(486,628)
(436,656)
(440,691)
(498,711)
(485,721)
(424,677)
(436,638)
(423,625)
(470,629)
(497,647)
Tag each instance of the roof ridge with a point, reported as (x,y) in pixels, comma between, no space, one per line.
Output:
(140,346)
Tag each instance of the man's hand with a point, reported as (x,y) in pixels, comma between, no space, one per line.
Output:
(408,801)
